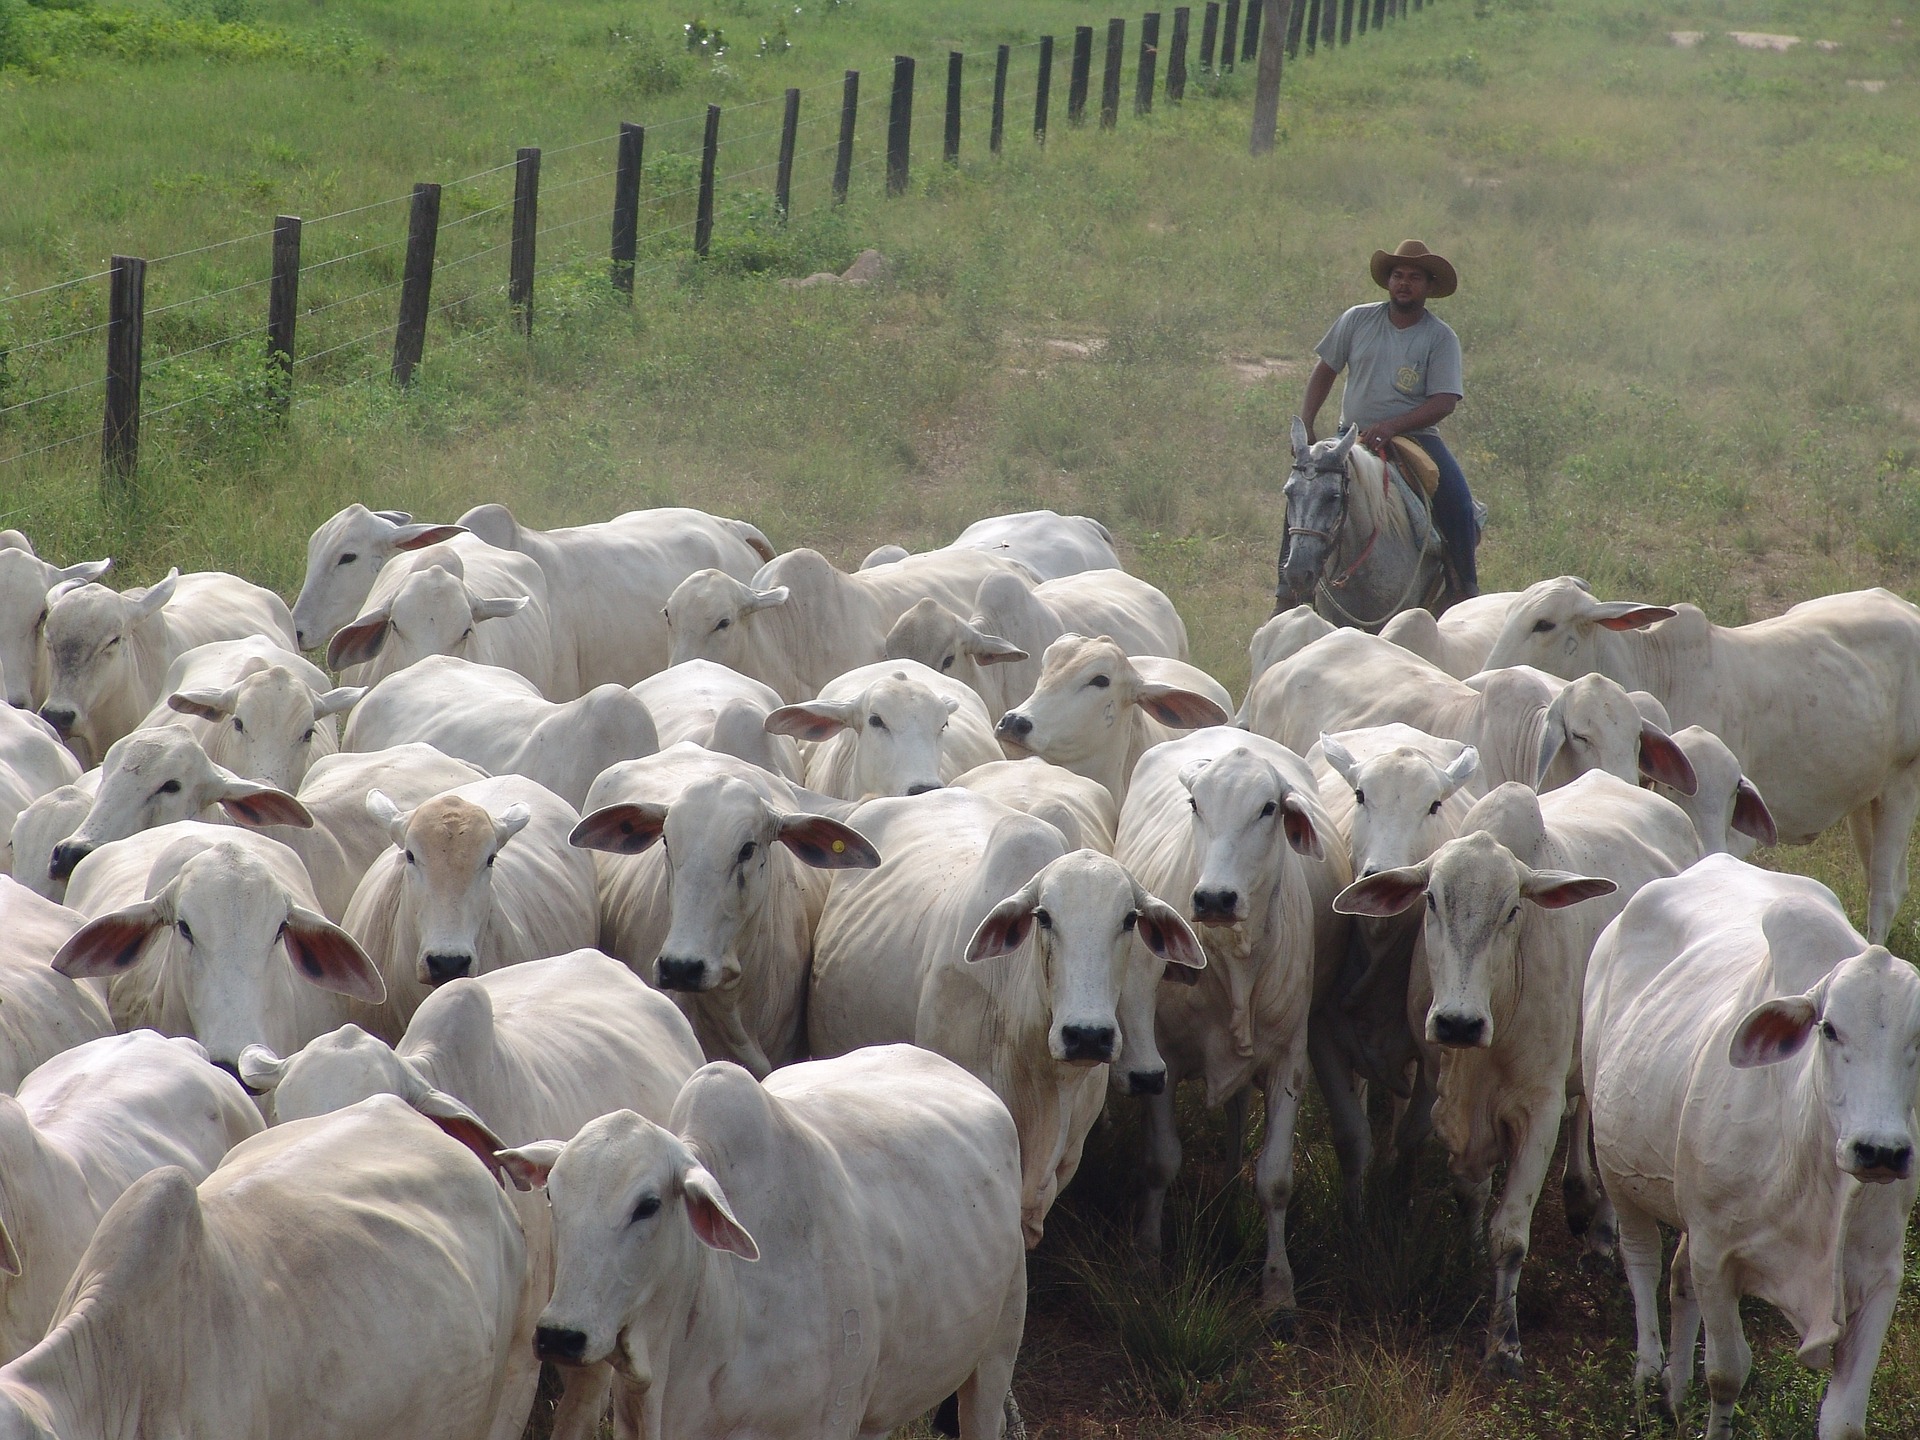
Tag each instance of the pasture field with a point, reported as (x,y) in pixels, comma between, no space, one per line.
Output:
(1692,342)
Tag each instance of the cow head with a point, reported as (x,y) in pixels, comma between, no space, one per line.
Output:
(269,724)
(91,634)
(1593,724)
(894,728)
(708,615)
(344,556)
(941,640)
(448,846)
(25,580)
(433,612)
(1554,626)
(1728,812)
(1399,799)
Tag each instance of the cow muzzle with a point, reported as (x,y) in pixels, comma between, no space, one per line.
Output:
(61,717)
(66,855)
(1459,1030)
(563,1347)
(1216,906)
(1087,1044)
(1877,1160)
(438,967)
(1014,730)
(1146,1082)
(677,972)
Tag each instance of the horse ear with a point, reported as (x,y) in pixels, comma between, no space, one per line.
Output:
(1300,442)
(1345,447)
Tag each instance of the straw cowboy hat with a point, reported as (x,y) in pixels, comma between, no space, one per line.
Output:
(1412,252)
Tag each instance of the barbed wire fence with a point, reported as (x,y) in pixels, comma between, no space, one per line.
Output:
(346,289)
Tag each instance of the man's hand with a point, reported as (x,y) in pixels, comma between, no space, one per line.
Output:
(1378,434)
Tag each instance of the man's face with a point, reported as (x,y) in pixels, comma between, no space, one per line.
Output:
(1407,285)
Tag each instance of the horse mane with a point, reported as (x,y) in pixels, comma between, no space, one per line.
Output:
(1372,505)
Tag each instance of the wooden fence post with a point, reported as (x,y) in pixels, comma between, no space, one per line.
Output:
(1346,22)
(900,126)
(626,204)
(1360,12)
(416,288)
(709,162)
(526,225)
(997,130)
(1313,26)
(1329,23)
(1294,22)
(1251,47)
(1209,33)
(1043,83)
(1110,77)
(1082,69)
(1143,76)
(950,147)
(1266,87)
(126,324)
(1379,14)
(283,305)
(1229,35)
(843,157)
(1177,57)
(783,172)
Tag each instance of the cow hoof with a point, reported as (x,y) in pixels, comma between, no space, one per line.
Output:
(1504,1362)
(1282,1322)
(1596,1260)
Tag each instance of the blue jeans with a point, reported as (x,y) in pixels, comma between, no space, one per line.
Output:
(1453,511)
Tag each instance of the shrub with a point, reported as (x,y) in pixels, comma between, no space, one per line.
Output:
(13,39)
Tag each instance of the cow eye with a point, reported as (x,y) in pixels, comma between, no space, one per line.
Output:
(1043,919)
(876,722)
(947,664)
(111,643)
(1193,804)
(172,787)
(349,558)
(1268,809)
(648,1207)
(1100,682)
(491,858)
(410,859)
(746,852)
(1826,1029)
(1434,808)
(1513,914)
(238,728)
(307,739)
(721,626)
(1132,917)
(1359,797)
(186,931)
(1433,906)
(1541,627)
(466,632)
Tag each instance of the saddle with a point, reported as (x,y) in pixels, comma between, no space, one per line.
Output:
(1414,464)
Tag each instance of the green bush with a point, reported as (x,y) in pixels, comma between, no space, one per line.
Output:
(220,12)
(13,51)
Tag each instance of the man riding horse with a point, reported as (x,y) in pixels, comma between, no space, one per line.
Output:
(1403,379)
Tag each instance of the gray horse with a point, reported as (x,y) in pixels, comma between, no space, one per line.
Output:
(1352,548)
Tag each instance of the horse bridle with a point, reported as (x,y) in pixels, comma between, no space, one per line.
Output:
(1325,586)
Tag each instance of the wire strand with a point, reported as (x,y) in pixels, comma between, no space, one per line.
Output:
(54,395)
(29,348)
(29,454)
(57,285)
(216,245)
(210,295)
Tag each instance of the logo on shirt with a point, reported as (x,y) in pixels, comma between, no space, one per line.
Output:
(1407,379)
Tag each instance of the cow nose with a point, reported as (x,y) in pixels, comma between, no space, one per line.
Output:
(442,968)
(66,855)
(300,640)
(1146,1082)
(1091,1043)
(672,972)
(1889,1162)
(1216,907)
(61,717)
(921,788)
(569,1347)
(1014,724)
(234,1070)
(1461,1031)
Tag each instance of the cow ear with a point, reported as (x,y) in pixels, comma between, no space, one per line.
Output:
(9,1257)
(826,844)
(1627,614)
(1386,893)
(111,945)
(1166,933)
(395,517)
(1751,815)
(1006,926)
(452,1116)
(991,649)
(1557,889)
(767,599)
(206,704)
(625,829)
(528,1166)
(1772,1032)
(1302,834)
(389,816)
(498,609)
(510,822)
(418,537)
(345,697)
(86,571)
(816,720)
(249,803)
(1461,769)
(1191,772)
(154,598)
(1664,762)
(1338,757)
(712,1217)
(260,1069)
(326,956)
(360,641)
(1553,735)
(1178,709)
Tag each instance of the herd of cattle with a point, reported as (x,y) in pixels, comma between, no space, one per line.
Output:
(701,968)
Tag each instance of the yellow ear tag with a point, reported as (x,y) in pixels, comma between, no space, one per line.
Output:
(838,846)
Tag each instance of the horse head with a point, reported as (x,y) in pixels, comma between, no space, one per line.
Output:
(1316,494)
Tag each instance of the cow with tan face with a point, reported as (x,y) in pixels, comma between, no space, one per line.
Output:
(478,878)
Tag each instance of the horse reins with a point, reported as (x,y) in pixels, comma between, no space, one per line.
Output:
(1326,587)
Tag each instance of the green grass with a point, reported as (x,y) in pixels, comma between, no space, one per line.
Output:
(1690,338)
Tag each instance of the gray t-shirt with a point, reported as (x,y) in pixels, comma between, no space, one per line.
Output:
(1390,371)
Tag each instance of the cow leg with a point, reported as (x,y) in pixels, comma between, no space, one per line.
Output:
(1346,1114)
(1843,1413)
(1589,1212)
(583,1400)
(1729,1358)
(1683,1326)
(1640,1254)
(1893,814)
(987,1411)
(1160,1163)
(1509,1231)
(1273,1181)
(1413,1126)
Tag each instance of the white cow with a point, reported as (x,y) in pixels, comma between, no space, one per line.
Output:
(464,891)
(498,720)
(1726,807)
(1049,544)
(261,711)
(108,654)
(1280,638)
(42,1012)
(353,1277)
(42,826)
(1594,724)
(891,728)
(1497,982)
(213,932)
(1082,810)
(336,790)
(82,1128)
(25,580)
(1096,712)
(522,1054)
(1821,704)
(463,598)
(1752,1067)
(997,652)
(722,710)
(801,622)
(1458,641)
(344,557)
(723,915)
(981,938)
(33,763)
(1228,827)
(831,1253)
